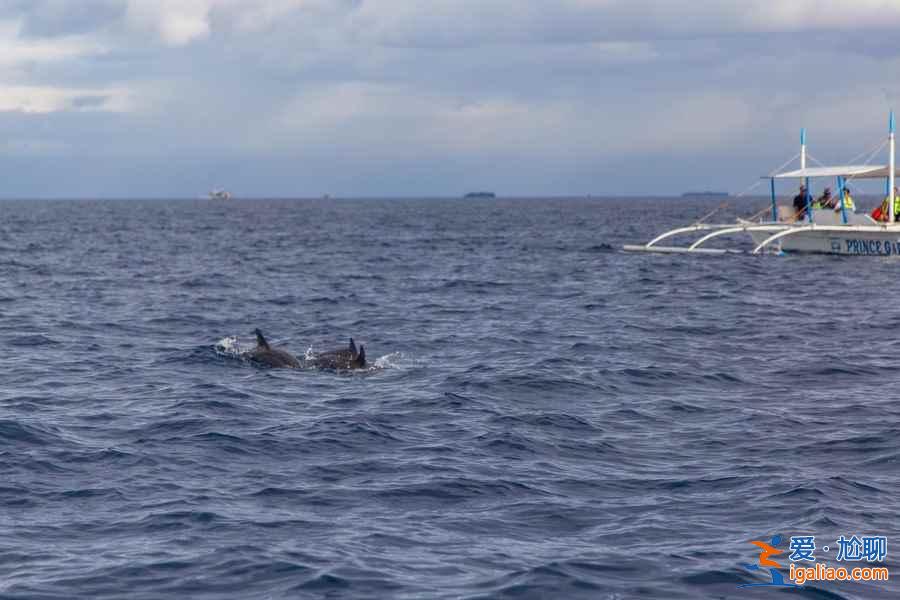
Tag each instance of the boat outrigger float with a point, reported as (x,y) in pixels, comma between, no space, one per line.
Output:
(821,230)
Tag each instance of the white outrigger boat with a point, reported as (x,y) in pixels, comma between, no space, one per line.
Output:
(824,231)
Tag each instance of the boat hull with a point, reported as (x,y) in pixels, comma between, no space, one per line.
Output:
(852,243)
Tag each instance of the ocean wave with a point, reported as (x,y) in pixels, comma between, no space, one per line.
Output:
(545,417)
(14,433)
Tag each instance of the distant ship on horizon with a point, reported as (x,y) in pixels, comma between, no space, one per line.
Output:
(707,194)
(480,195)
(220,195)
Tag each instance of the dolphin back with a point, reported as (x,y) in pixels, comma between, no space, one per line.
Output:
(357,357)
(265,355)
(349,357)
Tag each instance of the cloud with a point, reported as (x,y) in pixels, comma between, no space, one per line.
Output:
(470,22)
(462,22)
(177,22)
(181,22)
(16,50)
(252,16)
(21,56)
(403,122)
(52,18)
(523,86)
(45,99)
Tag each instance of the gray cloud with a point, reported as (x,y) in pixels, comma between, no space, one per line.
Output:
(48,18)
(287,97)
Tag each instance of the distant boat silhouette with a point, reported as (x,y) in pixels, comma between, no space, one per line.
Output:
(480,195)
(706,194)
(220,195)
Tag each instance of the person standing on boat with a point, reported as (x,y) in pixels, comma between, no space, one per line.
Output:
(881,213)
(826,200)
(800,204)
(848,201)
(896,204)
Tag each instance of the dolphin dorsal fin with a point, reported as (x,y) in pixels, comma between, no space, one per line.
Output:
(353,349)
(361,357)
(260,340)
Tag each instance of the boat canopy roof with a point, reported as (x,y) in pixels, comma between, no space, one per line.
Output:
(854,171)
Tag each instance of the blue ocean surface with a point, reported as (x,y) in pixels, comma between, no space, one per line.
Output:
(543,416)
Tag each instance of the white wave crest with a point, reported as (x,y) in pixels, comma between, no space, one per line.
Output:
(389,361)
(229,346)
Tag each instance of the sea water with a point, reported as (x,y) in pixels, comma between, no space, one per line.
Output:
(548,417)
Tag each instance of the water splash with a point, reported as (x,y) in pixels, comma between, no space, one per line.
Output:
(230,346)
(389,361)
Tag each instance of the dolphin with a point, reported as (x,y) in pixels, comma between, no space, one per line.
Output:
(344,358)
(265,354)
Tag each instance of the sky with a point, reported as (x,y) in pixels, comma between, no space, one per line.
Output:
(300,98)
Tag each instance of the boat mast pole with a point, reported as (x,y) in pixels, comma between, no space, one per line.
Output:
(774,205)
(891,172)
(841,185)
(803,166)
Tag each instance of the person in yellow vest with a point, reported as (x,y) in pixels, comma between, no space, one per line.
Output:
(896,204)
(848,202)
(896,207)
(882,214)
(826,200)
